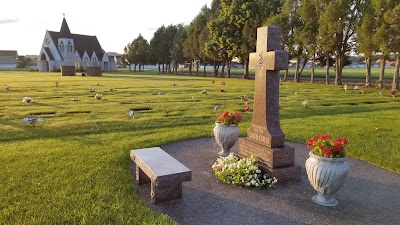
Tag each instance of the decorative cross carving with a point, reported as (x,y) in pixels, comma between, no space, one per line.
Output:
(267,61)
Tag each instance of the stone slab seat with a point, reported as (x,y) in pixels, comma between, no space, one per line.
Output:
(164,172)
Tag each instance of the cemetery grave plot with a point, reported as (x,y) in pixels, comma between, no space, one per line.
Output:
(43,114)
(78,112)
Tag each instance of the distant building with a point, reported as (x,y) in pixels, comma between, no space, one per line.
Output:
(32,65)
(20,60)
(8,59)
(116,57)
(66,49)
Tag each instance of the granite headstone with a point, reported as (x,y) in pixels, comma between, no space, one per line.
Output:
(265,139)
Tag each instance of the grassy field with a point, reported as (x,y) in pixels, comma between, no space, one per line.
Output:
(75,167)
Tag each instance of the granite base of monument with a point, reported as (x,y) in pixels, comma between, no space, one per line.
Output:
(94,71)
(277,162)
(67,70)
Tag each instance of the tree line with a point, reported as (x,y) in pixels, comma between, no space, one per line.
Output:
(322,31)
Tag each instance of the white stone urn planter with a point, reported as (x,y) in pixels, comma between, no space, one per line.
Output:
(327,176)
(226,137)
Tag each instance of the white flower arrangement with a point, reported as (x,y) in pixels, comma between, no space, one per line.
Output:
(32,120)
(242,172)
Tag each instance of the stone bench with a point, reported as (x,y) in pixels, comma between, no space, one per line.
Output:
(165,173)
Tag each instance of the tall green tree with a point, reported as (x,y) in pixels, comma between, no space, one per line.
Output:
(254,14)
(167,42)
(222,33)
(325,49)
(177,47)
(156,48)
(211,47)
(393,18)
(307,33)
(338,22)
(289,20)
(365,45)
(382,35)
(128,56)
(197,35)
(142,49)
(136,53)
(390,10)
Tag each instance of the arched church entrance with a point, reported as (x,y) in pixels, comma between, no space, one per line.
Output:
(44,63)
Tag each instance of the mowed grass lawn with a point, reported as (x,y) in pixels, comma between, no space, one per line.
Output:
(75,167)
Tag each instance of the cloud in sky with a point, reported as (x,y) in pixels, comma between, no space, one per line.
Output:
(4,21)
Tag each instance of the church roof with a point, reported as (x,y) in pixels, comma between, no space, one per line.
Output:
(82,43)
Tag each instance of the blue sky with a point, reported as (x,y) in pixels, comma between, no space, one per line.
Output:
(115,23)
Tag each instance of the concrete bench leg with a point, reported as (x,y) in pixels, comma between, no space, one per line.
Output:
(164,194)
(141,177)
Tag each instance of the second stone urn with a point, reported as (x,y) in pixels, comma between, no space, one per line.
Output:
(226,137)
(326,175)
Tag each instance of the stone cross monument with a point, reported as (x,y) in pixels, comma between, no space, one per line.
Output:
(265,139)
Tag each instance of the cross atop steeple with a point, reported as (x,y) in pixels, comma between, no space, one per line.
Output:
(64,15)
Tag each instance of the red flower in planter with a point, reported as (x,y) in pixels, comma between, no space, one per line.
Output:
(326,147)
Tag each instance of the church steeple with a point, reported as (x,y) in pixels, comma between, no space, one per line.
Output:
(64,28)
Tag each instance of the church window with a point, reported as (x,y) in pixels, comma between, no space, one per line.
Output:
(77,63)
(86,59)
(69,46)
(61,46)
(95,61)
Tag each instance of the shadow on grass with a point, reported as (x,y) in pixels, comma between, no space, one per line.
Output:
(28,132)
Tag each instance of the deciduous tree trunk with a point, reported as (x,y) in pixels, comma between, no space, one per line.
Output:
(285,75)
(368,61)
(246,69)
(312,68)
(215,69)
(382,73)
(303,65)
(338,66)
(228,64)
(204,69)
(327,70)
(395,84)
(223,69)
(296,73)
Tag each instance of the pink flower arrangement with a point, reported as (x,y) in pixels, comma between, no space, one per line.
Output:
(229,118)
(326,147)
